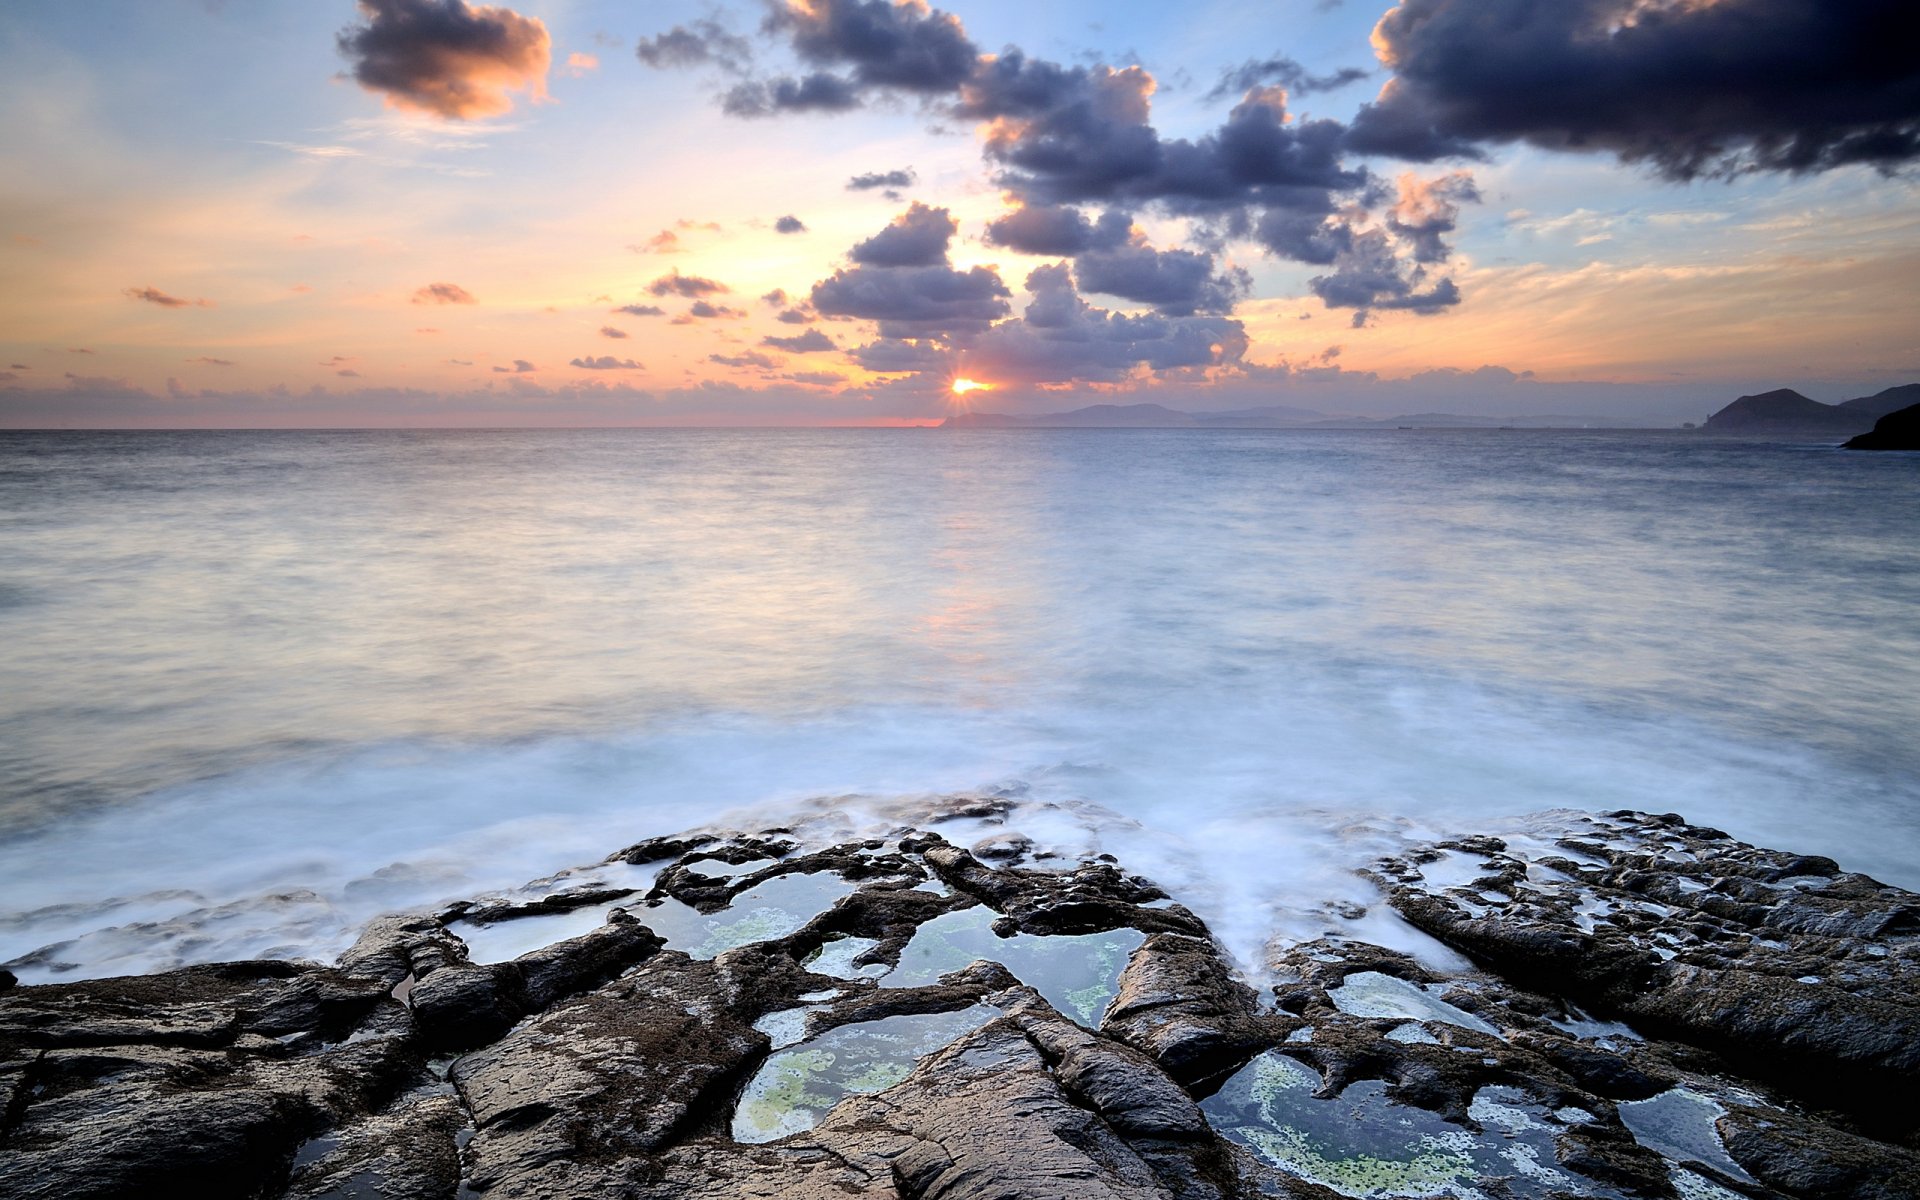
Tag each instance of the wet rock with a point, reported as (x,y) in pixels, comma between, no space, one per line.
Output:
(615,1073)
(408,1153)
(1180,1004)
(1805,1158)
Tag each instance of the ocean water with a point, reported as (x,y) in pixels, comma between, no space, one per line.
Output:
(256,688)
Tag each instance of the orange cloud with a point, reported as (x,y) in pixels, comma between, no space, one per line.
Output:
(153,295)
(448,58)
(443,293)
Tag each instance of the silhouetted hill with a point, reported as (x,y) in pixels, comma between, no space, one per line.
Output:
(1784,410)
(1890,401)
(1898,430)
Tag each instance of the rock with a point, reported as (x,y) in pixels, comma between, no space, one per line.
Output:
(1895,431)
(608,1065)
(410,1152)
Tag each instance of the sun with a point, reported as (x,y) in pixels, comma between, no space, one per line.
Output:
(962,386)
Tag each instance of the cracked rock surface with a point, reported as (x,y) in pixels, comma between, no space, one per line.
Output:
(1654,1010)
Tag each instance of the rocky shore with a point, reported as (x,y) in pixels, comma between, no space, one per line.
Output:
(1652,1010)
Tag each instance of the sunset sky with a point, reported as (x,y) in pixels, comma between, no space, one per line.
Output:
(567,212)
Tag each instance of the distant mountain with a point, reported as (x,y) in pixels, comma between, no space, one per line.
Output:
(1156,416)
(1890,401)
(1898,430)
(1784,410)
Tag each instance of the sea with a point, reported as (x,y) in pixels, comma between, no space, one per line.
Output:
(257,688)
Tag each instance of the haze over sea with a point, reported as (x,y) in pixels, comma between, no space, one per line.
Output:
(259,687)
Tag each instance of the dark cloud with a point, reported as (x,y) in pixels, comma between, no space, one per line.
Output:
(747,358)
(1050,229)
(673,283)
(1061,337)
(891,355)
(916,238)
(713,312)
(605,362)
(789,224)
(795,316)
(347,373)
(642,310)
(207,361)
(1256,73)
(609,331)
(443,293)
(459,362)
(907,47)
(805,343)
(776,297)
(818,92)
(520,367)
(1688,88)
(816,378)
(447,57)
(874,180)
(694,44)
(1368,275)
(1176,282)
(153,295)
(905,281)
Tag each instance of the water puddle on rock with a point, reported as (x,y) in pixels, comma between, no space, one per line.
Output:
(763,912)
(796,1087)
(1679,1124)
(509,939)
(1079,974)
(1372,994)
(1361,1144)
(713,868)
(835,958)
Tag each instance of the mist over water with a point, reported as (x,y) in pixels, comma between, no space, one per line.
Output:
(257,688)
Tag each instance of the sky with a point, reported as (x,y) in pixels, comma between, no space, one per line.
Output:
(268,213)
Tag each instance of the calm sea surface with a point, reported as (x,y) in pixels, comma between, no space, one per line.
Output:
(255,687)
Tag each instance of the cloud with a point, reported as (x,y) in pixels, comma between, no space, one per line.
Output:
(805,343)
(1368,274)
(605,363)
(902,46)
(446,57)
(713,312)
(795,316)
(874,180)
(916,238)
(608,331)
(1055,230)
(153,295)
(580,65)
(1688,88)
(1175,282)
(1060,337)
(748,358)
(664,242)
(789,224)
(813,93)
(905,281)
(520,367)
(776,297)
(204,360)
(816,378)
(642,310)
(693,45)
(1428,209)
(674,283)
(443,293)
(347,373)
(1257,73)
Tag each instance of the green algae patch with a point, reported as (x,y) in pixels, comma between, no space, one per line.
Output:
(1079,974)
(1363,1145)
(795,1088)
